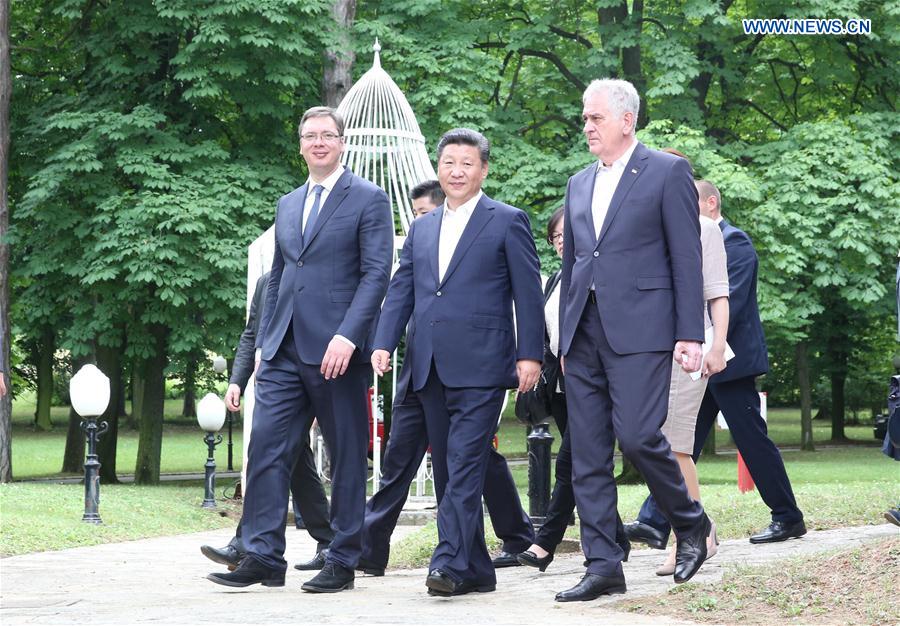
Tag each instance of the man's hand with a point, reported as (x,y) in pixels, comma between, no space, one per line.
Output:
(336,359)
(689,355)
(381,361)
(714,362)
(233,398)
(529,371)
(2,384)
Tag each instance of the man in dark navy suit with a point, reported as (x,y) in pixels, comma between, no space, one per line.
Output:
(632,295)
(406,448)
(309,499)
(462,268)
(733,392)
(333,248)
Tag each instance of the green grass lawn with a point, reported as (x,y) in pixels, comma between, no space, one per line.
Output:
(38,517)
(784,429)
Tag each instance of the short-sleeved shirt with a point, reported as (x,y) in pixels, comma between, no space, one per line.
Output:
(715,263)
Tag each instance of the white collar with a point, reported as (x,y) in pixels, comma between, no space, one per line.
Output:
(719,219)
(328,183)
(465,209)
(621,161)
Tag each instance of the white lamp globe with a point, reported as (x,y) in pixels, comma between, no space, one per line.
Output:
(211,413)
(89,391)
(219,364)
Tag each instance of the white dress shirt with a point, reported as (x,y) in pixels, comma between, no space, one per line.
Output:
(453,223)
(608,177)
(327,185)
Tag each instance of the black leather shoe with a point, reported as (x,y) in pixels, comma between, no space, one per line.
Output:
(315,563)
(505,559)
(591,587)
(440,584)
(690,551)
(250,572)
(640,532)
(779,531)
(530,559)
(229,555)
(331,579)
(369,567)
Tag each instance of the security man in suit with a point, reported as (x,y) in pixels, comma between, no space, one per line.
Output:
(310,502)
(461,269)
(733,392)
(333,248)
(406,448)
(631,299)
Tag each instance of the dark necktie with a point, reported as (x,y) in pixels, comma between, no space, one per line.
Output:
(313,212)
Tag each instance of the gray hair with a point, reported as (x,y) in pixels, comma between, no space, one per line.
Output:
(466,137)
(621,96)
(322,112)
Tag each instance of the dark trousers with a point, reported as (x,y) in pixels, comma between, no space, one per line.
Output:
(619,396)
(402,458)
(562,500)
(309,498)
(460,423)
(738,401)
(289,394)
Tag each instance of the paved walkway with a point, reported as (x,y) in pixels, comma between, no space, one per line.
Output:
(161,581)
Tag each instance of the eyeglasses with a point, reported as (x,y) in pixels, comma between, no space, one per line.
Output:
(555,237)
(327,137)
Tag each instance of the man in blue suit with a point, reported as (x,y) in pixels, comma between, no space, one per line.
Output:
(733,392)
(632,294)
(406,448)
(333,247)
(462,268)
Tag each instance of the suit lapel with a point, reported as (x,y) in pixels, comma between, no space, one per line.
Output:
(482,214)
(633,170)
(334,200)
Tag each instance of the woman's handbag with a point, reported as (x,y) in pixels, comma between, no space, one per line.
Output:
(533,406)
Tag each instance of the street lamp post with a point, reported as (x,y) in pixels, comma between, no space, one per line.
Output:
(89,393)
(220,365)
(211,416)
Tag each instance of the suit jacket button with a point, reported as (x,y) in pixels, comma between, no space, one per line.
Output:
(596,254)
(299,263)
(437,293)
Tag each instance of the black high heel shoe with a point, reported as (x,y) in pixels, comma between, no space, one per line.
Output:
(530,559)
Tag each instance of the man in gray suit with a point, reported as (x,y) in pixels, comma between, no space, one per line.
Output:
(333,248)
(632,298)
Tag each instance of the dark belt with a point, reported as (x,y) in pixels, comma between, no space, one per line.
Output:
(592,296)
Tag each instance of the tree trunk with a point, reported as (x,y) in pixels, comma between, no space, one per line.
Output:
(806,429)
(137,394)
(631,59)
(45,348)
(6,400)
(146,471)
(338,76)
(109,360)
(73,457)
(837,406)
(189,407)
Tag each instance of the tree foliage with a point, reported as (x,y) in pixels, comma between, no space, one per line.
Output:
(151,139)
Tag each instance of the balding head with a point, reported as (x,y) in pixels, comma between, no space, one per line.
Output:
(710,199)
